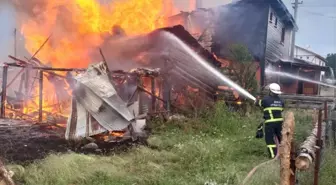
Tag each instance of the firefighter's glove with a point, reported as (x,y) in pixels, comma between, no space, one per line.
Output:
(260,132)
(256,101)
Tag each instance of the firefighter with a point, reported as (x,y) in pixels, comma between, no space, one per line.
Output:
(273,107)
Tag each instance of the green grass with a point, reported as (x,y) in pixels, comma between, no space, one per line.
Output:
(220,147)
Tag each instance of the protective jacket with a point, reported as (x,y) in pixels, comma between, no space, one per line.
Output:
(273,107)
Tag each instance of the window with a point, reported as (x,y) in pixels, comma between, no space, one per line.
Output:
(283,32)
(271,17)
(276,22)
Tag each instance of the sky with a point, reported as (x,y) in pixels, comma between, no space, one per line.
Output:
(316,21)
(317,25)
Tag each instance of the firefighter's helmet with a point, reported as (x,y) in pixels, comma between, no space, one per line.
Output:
(275,88)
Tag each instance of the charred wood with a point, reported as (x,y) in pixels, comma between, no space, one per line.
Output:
(47,68)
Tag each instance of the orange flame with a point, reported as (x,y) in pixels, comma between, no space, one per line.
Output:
(80,26)
(192,5)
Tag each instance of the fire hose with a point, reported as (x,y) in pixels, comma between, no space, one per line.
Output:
(251,173)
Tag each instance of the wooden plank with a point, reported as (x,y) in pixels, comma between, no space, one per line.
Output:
(310,98)
(304,106)
(72,121)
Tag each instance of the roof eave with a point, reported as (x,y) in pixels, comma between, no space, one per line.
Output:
(317,55)
(288,14)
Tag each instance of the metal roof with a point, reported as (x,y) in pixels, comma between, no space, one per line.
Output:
(302,63)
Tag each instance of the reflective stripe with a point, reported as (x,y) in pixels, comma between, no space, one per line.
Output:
(274,120)
(270,113)
(273,108)
(270,147)
(260,103)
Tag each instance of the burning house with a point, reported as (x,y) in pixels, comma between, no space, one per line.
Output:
(148,68)
(265,27)
(178,86)
(114,104)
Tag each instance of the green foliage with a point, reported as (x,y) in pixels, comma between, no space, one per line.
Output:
(331,61)
(217,147)
(240,53)
(243,67)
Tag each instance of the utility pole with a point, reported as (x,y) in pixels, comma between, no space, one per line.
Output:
(199,4)
(296,7)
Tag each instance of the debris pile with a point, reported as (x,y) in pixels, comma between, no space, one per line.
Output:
(97,109)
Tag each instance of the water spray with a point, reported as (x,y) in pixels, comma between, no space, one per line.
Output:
(207,66)
(284,74)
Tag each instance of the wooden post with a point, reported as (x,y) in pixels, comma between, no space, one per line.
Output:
(292,164)
(319,144)
(167,91)
(326,134)
(26,84)
(285,149)
(325,111)
(40,96)
(4,91)
(153,92)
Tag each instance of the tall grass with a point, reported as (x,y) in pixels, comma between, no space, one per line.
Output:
(220,147)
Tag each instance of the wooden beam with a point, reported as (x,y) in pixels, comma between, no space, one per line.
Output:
(305,106)
(307,152)
(47,68)
(310,98)
(4,91)
(40,96)
(285,148)
(153,92)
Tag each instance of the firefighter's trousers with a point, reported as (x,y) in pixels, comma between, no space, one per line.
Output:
(272,131)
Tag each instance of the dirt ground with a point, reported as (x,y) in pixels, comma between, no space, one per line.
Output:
(23,142)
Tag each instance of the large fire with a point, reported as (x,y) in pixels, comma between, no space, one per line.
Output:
(77,28)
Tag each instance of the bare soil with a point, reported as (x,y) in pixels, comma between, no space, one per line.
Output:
(23,142)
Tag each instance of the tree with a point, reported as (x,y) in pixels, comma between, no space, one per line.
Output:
(243,67)
(331,61)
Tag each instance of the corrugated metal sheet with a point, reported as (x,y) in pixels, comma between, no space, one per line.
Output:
(96,106)
(104,90)
(107,116)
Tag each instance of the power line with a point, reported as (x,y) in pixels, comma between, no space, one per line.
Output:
(332,5)
(319,14)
